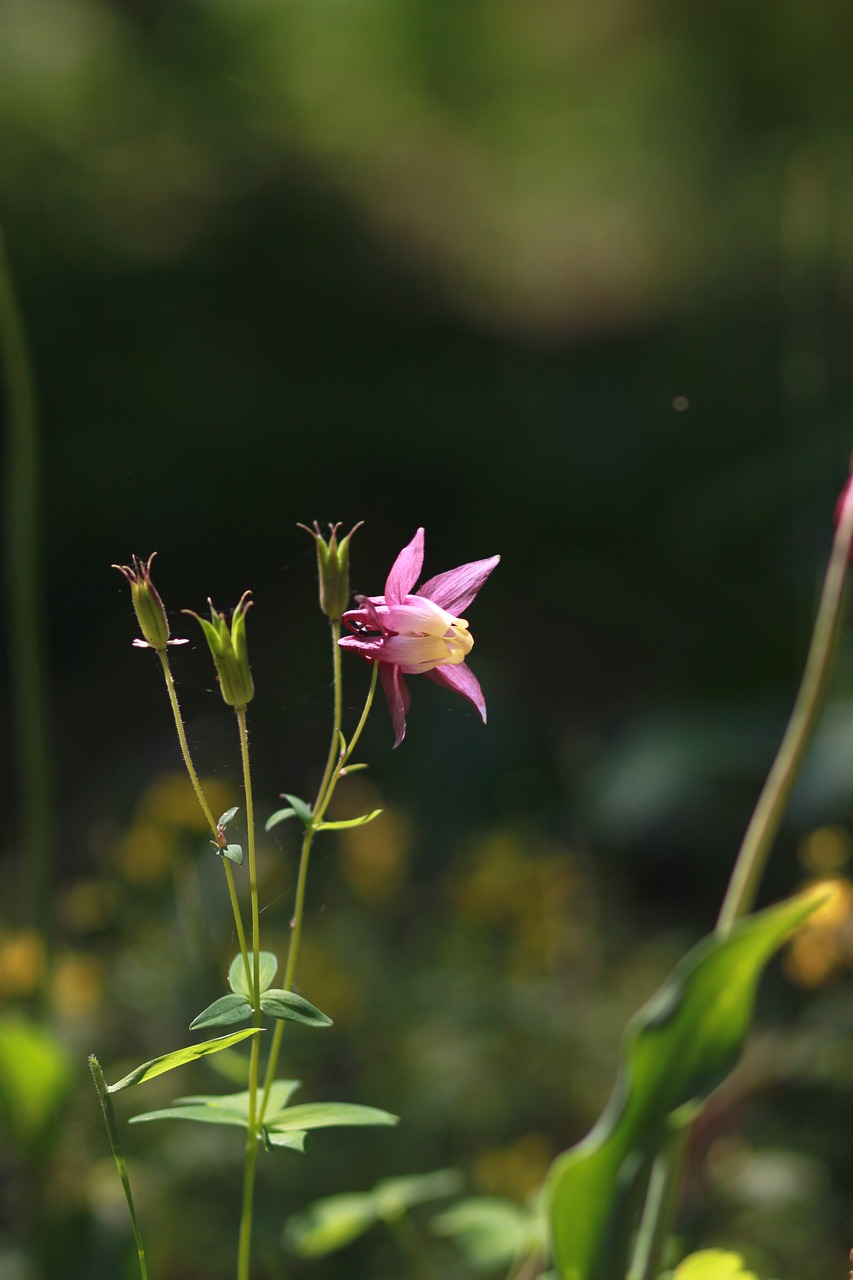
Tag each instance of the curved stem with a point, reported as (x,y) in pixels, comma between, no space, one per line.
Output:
(662,1198)
(325,792)
(205,807)
(244,1247)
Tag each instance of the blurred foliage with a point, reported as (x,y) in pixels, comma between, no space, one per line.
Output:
(570,284)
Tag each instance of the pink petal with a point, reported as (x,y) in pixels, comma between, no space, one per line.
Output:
(455,589)
(405,570)
(398,697)
(461,679)
(369,647)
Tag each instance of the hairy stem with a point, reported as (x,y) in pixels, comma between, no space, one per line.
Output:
(118,1156)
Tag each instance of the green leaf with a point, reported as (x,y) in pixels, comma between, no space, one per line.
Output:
(324,1115)
(349,822)
(168,1061)
(293,1008)
(295,1139)
(280,815)
(226,1108)
(301,809)
(675,1051)
(234,852)
(713,1264)
(394,1196)
(267,965)
(233,1008)
(228,816)
(329,1224)
(490,1231)
(35,1073)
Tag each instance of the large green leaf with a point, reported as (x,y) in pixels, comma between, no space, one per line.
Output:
(678,1048)
(324,1115)
(168,1061)
(224,1108)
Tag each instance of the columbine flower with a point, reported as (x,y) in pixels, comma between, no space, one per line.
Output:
(419,632)
(147,604)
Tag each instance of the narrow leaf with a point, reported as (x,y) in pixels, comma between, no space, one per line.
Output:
(228,816)
(226,1009)
(349,822)
(193,1111)
(168,1061)
(324,1115)
(280,815)
(267,964)
(675,1051)
(300,808)
(293,1008)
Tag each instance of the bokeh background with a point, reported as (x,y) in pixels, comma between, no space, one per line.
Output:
(567,282)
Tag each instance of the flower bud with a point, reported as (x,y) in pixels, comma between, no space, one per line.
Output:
(332,569)
(146,603)
(228,648)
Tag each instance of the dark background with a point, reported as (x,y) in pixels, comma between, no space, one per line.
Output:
(569,284)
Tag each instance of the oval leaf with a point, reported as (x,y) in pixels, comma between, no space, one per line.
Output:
(325,1115)
(233,1008)
(280,815)
(234,853)
(267,964)
(678,1048)
(300,808)
(293,1008)
(168,1061)
(228,816)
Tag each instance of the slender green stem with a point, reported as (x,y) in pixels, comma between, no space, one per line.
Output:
(27,664)
(205,807)
(324,795)
(662,1198)
(244,1247)
(118,1155)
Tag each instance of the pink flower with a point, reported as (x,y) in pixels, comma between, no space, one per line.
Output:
(419,632)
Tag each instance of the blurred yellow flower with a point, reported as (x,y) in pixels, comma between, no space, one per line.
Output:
(824,944)
(23,963)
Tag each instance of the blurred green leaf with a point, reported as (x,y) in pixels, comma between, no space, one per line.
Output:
(331,1223)
(267,966)
(293,1008)
(168,1061)
(678,1048)
(713,1264)
(346,823)
(280,815)
(323,1115)
(490,1231)
(34,1075)
(232,1008)
(234,852)
(228,816)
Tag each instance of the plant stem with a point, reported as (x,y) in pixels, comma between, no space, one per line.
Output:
(325,792)
(662,1198)
(205,807)
(118,1155)
(244,1247)
(27,663)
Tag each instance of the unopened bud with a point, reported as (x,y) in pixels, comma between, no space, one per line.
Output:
(332,568)
(228,647)
(147,604)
